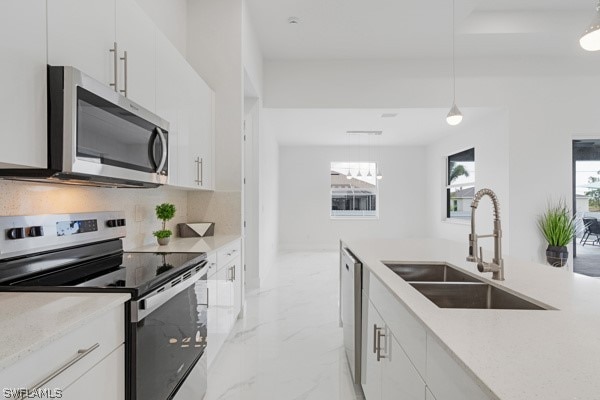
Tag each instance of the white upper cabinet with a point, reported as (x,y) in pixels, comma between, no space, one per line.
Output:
(196,164)
(136,39)
(23,82)
(81,34)
(186,101)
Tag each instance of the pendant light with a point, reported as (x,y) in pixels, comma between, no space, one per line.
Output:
(454,116)
(359,175)
(349,174)
(369,149)
(379,176)
(590,40)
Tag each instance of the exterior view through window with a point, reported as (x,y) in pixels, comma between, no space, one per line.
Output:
(460,184)
(354,190)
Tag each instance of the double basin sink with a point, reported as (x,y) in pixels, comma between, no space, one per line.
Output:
(448,287)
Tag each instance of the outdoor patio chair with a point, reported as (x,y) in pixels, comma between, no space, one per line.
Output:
(592,227)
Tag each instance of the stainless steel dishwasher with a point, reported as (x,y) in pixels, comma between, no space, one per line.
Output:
(351,309)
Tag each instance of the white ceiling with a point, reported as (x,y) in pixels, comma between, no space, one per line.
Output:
(327,127)
(397,29)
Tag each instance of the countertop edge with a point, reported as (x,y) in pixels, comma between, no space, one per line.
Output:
(119,300)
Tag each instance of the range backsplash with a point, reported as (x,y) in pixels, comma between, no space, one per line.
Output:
(22,198)
(223,208)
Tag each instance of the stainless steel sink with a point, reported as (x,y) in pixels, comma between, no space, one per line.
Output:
(473,295)
(429,273)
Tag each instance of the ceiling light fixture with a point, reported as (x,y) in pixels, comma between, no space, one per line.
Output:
(293,20)
(454,117)
(590,40)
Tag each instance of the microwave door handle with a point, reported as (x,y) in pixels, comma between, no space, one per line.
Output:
(163,158)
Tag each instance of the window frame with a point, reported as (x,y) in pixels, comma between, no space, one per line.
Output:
(448,187)
(354,217)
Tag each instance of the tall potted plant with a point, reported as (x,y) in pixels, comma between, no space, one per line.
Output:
(557,225)
(164,212)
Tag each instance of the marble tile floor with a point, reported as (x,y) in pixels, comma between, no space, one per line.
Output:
(288,346)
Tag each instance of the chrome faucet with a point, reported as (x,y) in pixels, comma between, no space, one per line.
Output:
(497,264)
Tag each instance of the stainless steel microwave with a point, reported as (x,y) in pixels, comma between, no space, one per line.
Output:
(98,137)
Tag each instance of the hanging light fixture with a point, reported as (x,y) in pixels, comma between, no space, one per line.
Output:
(359,175)
(590,40)
(454,116)
(369,149)
(349,174)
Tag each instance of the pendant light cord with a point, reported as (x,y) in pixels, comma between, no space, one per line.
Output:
(454,57)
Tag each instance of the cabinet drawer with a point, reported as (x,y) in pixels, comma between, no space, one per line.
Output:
(106,380)
(446,379)
(107,331)
(406,328)
(211,260)
(227,253)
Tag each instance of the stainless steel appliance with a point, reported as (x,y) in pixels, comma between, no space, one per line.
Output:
(98,137)
(167,315)
(351,309)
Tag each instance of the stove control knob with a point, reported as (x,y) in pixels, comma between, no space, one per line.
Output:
(36,231)
(15,233)
(111,223)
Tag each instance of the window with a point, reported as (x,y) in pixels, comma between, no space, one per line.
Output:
(460,184)
(354,191)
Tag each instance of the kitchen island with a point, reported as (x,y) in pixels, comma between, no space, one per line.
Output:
(488,353)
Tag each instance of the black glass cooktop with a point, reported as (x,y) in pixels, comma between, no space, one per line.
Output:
(145,271)
(100,266)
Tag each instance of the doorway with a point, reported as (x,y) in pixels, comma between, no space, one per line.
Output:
(586,206)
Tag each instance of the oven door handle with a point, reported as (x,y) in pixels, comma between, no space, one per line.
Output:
(145,306)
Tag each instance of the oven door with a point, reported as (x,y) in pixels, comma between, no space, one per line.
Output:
(105,134)
(170,340)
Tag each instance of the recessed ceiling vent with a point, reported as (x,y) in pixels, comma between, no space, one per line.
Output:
(389,115)
(375,133)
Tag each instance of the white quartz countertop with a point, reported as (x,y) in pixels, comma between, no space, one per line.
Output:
(513,354)
(30,321)
(190,245)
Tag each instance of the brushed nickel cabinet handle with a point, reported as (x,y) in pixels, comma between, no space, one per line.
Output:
(379,336)
(375,329)
(198,163)
(114,50)
(82,353)
(125,70)
(202,172)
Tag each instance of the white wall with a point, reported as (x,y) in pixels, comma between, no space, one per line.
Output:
(268,207)
(304,196)
(490,140)
(171,18)
(545,110)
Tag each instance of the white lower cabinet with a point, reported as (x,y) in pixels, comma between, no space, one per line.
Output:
(388,373)
(371,368)
(446,378)
(90,360)
(412,364)
(105,381)
(225,295)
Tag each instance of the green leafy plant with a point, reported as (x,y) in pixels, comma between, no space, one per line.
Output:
(164,212)
(557,224)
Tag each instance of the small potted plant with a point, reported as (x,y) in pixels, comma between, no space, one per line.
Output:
(557,225)
(164,212)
